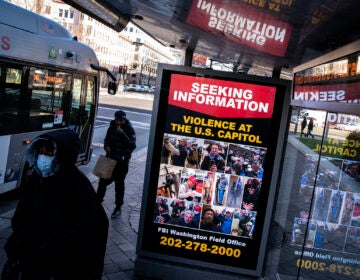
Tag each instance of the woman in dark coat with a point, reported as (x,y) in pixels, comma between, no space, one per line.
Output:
(119,143)
(59,227)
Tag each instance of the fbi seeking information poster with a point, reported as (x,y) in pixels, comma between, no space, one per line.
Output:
(210,170)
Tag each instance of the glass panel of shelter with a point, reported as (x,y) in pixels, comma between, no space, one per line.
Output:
(318,213)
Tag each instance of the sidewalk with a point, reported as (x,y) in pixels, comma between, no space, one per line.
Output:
(122,238)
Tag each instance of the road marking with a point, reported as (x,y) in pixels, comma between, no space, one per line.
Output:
(135,124)
(126,111)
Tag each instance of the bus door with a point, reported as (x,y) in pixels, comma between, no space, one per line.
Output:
(82,113)
(321,239)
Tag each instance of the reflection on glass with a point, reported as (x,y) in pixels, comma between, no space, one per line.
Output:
(330,180)
(321,168)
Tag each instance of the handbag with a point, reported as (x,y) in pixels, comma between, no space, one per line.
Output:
(10,270)
(104,167)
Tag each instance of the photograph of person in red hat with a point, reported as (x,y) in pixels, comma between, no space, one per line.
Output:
(197,213)
(186,189)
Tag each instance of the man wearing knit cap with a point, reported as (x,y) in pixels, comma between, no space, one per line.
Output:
(197,214)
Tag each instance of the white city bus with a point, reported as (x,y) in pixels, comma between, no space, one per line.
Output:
(48,81)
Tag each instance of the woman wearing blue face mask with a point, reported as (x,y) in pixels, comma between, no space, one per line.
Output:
(59,226)
(45,158)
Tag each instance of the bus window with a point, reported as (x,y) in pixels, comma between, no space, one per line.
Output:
(87,114)
(11,96)
(48,90)
(13,76)
(9,99)
(90,92)
(46,106)
(89,102)
(75,104)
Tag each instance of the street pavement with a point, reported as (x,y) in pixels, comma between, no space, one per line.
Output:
(122,238)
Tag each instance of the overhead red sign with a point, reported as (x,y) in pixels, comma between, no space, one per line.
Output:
(221,98)
(241,23)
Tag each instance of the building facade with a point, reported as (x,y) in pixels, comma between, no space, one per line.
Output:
(132,55)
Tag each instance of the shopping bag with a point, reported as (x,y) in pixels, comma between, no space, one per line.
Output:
(104,167)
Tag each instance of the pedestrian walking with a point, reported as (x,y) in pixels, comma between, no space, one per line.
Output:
(310,128)
(303,126)
(119,143)
(59,227)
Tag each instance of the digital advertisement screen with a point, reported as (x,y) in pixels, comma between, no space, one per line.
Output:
(210,170)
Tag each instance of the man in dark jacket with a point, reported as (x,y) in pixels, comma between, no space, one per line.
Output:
(59,227)
(213,161)
(119,143)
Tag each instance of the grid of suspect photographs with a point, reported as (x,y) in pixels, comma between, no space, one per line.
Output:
(334,221)
(208,185)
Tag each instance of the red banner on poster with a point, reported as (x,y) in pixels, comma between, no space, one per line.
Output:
(243,24)
(221,98)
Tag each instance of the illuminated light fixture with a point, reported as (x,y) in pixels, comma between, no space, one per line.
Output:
(27,142)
